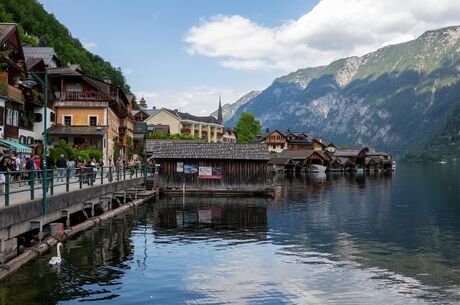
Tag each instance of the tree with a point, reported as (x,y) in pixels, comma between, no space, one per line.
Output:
(247,128)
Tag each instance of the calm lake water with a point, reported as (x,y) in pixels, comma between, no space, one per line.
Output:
(323,240)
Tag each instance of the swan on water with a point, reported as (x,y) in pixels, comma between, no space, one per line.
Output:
(56,260)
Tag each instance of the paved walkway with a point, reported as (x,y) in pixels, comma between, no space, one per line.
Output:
(25,196)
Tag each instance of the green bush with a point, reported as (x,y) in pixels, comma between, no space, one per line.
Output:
(72,153)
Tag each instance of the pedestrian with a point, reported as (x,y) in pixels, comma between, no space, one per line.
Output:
(48,172)
(61,165)
(38,166)
(3,169)
(71,168)
(30,168)
(93,165)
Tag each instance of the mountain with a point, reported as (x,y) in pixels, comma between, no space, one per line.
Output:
(229,109)
(395,99)
(35,24)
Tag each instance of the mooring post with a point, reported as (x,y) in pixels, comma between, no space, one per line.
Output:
(66,214)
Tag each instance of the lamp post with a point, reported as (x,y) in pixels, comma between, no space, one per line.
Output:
(31,81)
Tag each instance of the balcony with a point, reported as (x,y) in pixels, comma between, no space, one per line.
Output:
(83,96)
(186,131)
(13,93)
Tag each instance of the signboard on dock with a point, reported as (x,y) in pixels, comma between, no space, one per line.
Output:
(190,169)
(180,167)
(207,172)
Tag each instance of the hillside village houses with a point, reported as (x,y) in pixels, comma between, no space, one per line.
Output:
(82,111)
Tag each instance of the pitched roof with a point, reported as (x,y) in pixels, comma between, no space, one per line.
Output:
(46,53)
(348,152)
(77,130)
(219,151)
(64,71)
(5,30)
(32,62)
(190,117)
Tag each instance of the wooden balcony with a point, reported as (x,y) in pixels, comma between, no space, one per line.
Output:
(186,131)
(83,96)
(13,93)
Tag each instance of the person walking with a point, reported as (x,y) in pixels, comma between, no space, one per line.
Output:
(3,169)
(30,168)
(71,168)
(93,166)
(61,165)
(38,166)
(48,173)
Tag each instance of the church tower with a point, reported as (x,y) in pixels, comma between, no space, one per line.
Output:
(220,118)
(143,104)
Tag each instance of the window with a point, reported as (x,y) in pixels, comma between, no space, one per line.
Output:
(75,87)
(37,117)
(93,121)
(67,120)
(2,110)
(52,117)
(78,141)
(12,117)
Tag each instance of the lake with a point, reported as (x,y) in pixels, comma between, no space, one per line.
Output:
(336,239)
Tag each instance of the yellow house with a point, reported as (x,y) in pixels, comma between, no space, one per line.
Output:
(208,127)
(90,113)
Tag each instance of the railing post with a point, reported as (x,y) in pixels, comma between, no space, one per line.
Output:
(124,172)
(102,174)
(7,189)
(32,184)
(81,178)
(118,173)
(52,183)
(110,174)
(67,180)
(91,176)
(136,170)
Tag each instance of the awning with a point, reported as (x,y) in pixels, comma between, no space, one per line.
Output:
(20,148)
(78,130)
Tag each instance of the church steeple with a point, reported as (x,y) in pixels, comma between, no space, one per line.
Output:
(219,112)
(143,104)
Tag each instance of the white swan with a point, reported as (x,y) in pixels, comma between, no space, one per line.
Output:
(56,260)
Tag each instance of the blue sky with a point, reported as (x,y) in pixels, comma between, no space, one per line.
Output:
(185,53)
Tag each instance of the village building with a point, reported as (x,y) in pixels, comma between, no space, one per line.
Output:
(90,113)
(229,136)
(208,128)
(209,165)
(19,103)
(277,141)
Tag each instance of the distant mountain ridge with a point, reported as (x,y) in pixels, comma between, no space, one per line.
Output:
(229,109)
(394,98)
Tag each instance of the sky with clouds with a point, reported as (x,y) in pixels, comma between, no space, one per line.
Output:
(184,54)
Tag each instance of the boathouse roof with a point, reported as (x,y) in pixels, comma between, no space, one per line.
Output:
(219,151)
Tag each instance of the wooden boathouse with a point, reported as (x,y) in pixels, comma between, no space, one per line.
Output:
(209,166)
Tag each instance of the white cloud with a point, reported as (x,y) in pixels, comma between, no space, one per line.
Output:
(331,30)
(89,45)
(200,101)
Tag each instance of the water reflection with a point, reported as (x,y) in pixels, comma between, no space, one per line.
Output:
(334,239)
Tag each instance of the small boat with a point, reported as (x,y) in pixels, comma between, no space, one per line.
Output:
(393,165)
(442,162)
(316,168)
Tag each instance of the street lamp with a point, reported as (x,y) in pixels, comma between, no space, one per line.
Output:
(32,80)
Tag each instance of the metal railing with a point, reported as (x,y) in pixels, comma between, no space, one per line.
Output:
(66,179)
